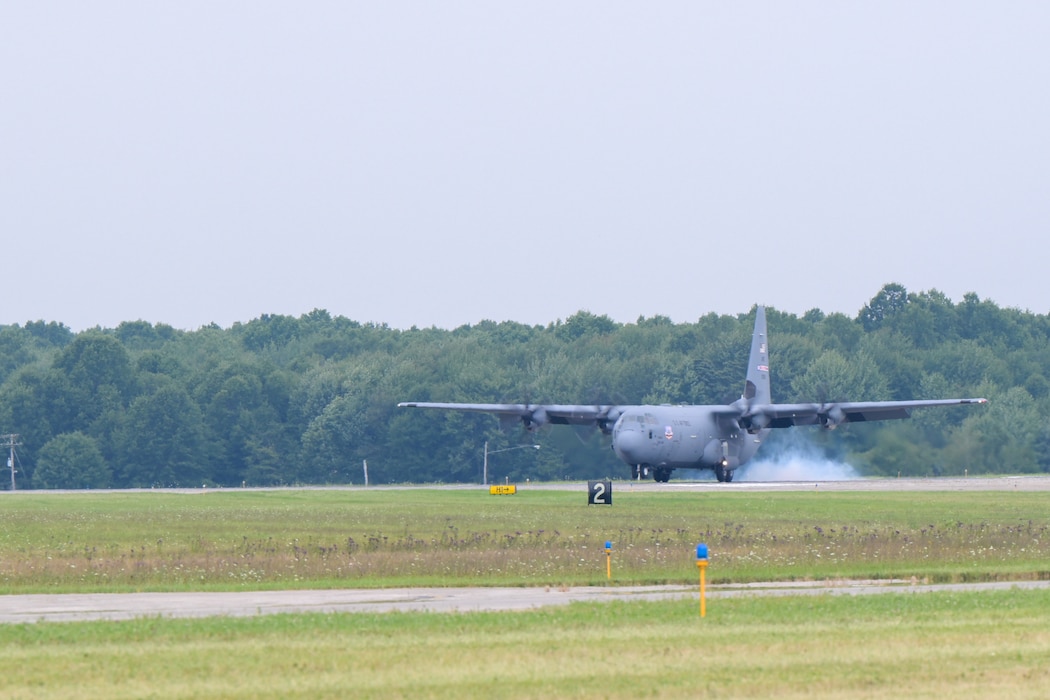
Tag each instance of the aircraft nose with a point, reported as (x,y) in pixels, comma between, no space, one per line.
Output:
(628,446)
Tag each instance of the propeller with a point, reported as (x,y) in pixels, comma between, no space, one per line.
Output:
(606,414)
(609,411)
(533,418)
(830,415)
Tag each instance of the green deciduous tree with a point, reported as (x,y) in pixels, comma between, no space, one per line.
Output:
(1008,430)
(890,300)
(282,399)
(832,377)
(71,461)
(163,441)
(328,454)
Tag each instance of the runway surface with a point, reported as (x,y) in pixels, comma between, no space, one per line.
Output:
(974,483)
(982,483)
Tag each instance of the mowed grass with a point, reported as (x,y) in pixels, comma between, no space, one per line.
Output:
(991,644)
(914,645)
(234,540)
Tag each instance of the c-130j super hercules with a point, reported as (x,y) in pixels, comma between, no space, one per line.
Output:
(656,440)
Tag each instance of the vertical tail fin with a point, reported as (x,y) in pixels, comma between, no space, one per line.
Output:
(756,389)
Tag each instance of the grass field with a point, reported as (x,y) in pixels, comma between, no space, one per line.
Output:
(926,645)
(992,644)
(232,540)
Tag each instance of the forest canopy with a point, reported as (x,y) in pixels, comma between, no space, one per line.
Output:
(307,400)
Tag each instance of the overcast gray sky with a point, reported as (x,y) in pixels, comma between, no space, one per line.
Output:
(441,163)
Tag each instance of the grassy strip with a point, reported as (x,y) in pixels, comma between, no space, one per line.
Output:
(993,644)
(283,539)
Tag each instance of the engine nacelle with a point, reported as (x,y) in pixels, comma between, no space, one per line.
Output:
(832,418)
(608,422)
(535,420)
(755,423)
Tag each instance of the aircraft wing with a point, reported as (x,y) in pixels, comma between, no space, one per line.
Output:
(784,415)
(534,415)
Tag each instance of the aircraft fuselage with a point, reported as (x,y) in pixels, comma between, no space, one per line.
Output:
(672,437)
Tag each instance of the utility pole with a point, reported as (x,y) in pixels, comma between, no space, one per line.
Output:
(11,459)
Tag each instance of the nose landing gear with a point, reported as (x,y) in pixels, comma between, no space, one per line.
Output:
(722,471)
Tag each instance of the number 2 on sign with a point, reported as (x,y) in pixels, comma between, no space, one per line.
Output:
(599,493)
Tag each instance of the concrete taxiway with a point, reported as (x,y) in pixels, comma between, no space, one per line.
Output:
(126,606)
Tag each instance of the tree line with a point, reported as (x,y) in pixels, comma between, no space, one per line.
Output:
(307,400)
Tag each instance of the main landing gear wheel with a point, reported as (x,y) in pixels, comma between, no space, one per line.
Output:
(662,475)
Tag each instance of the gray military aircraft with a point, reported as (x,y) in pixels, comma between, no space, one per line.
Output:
(656,440)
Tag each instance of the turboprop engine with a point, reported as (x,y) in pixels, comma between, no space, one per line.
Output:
(532,418)
(536,419)
(831,418)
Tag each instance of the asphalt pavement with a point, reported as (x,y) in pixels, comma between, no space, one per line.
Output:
(126,606)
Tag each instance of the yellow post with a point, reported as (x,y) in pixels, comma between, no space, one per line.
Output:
(608,560)
(701,563)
